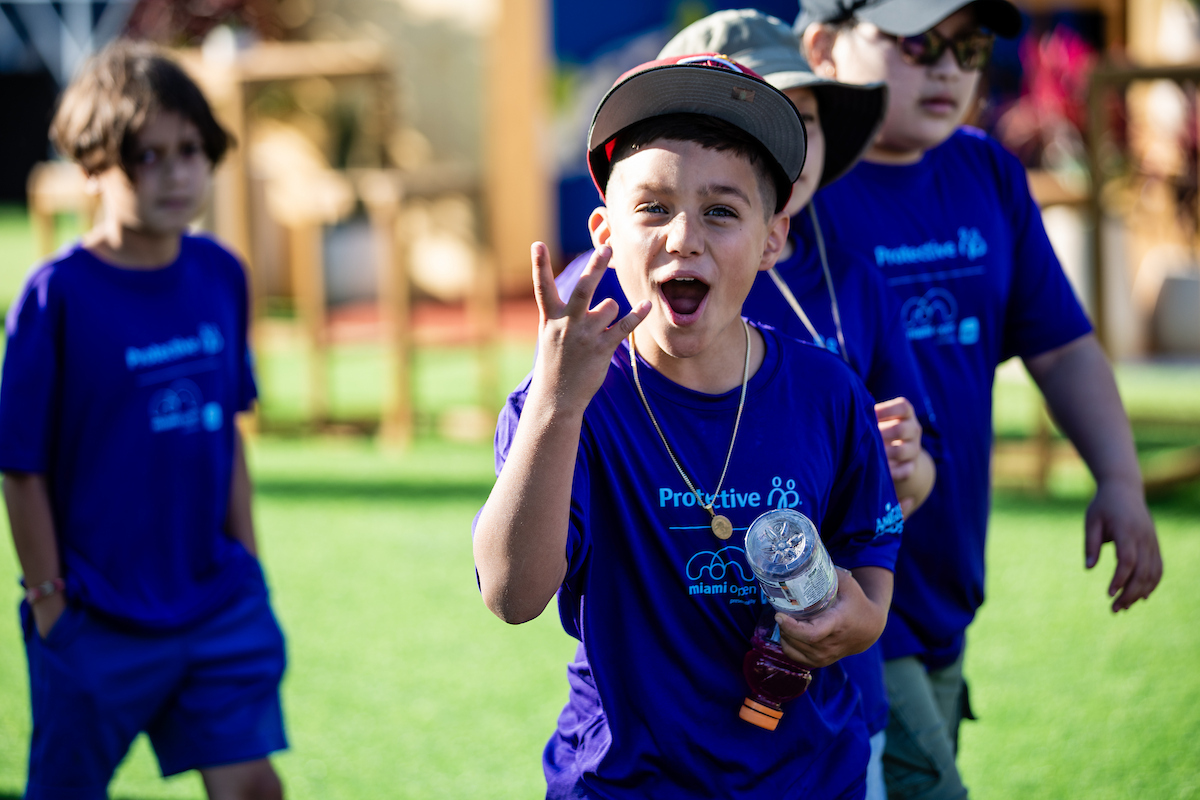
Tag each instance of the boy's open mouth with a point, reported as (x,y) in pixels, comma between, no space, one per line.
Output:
(684,295)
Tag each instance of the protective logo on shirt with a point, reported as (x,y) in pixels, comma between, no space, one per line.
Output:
(208,341)
(892,521)
(933,317)
(969,245)
(724,572)
(181,407)
(782,494)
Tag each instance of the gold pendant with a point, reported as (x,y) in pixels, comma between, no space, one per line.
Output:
(722,528)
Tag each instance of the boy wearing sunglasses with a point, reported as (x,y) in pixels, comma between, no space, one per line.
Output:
(946,214)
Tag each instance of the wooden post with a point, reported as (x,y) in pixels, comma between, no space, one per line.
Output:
(308,278)
(517,182)
(43,222)
(484,308)
(53,188)
(381,192)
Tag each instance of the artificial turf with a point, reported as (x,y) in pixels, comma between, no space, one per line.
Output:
(401,684)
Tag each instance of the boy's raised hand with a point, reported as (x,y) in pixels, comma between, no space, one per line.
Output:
(521,533)
(576,342)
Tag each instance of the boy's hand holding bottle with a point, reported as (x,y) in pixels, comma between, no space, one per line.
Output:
(816,613)
(850,625)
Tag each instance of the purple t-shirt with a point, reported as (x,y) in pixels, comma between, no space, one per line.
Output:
(878,350)
(665,610)
(961,244)
(121,386)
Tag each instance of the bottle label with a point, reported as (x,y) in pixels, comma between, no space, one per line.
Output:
(803,591)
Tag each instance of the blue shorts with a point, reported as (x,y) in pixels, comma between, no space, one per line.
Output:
(207,696)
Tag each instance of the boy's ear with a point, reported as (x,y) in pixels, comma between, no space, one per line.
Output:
(598,225)
(777,232)
(818,42)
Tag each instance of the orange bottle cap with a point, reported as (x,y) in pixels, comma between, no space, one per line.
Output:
(760,715)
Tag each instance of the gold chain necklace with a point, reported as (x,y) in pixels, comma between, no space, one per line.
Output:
(722,528)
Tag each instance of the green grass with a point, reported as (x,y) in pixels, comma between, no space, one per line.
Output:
(446,378)
(1075,701)
(18,252)
(401,685)
(1162,399)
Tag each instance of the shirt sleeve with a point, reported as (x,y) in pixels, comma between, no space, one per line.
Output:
(863,522)
(1043,312)
(31,376)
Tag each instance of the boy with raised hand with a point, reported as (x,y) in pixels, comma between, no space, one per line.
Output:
(624,445)
(837,298)
(872,342)
(945,213)
(124,475)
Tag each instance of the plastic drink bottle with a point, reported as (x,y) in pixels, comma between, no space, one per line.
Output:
(793,567)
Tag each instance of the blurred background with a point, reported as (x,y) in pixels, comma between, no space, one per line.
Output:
(396,158)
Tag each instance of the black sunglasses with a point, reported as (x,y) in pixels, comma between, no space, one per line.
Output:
(972,51)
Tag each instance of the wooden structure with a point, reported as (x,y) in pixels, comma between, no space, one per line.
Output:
(1183,465)
(232,84)
(1106,80)
(1167,470)
(54,188)
(517,155)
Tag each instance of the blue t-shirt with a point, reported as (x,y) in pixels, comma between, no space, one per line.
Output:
(665,610)
(121,386)
(877,347)
(961,243)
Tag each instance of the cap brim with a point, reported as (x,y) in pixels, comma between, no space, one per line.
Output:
(739,99)
(850,119)
(850,116)
(911,17)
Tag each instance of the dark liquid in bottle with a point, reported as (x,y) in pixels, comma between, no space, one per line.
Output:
(773,678)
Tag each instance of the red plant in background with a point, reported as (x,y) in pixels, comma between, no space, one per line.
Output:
(1044,126)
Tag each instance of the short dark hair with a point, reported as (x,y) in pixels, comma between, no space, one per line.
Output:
(711,133)
(101,113)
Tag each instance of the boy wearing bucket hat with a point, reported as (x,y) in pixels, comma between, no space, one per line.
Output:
(632,462)
(945,213)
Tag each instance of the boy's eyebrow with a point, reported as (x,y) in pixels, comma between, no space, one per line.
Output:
(720,188)
(707,190)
